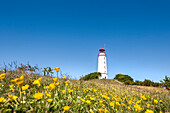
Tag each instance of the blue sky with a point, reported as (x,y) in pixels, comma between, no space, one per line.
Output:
(68,34)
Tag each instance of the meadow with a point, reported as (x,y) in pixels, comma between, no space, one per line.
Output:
(29,92)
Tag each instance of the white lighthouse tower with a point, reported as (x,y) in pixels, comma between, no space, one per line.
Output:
(102,64)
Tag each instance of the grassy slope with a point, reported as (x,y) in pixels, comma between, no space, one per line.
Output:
(103,85)
(115,83)
(106,83)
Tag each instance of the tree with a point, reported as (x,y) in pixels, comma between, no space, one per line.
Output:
(45,70)
(50,70)
(166,82)
(22,67)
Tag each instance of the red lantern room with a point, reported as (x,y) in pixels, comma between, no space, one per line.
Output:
(101,51)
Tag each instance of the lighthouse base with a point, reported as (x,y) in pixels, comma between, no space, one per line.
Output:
(103,76)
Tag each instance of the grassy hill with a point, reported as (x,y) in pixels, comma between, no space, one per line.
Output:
(35,93)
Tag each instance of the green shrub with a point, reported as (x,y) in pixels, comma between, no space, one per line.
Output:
(90,76)
(156,84)
(124,78)
(137,82)
(148,82)
(129,82)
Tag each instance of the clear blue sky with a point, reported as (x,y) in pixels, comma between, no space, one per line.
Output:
(69,33)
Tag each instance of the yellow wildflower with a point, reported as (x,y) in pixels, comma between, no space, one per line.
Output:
(46,87)
(138,101)
(101,101)
(66,82)
(52,86)
(57,69)
(55,79)
(112,104)
(69,90)
(12,97)
(36,82)
(49,100)
(2,76)
(117,103)
(48,94)
(22,92)
(155,101)
(82,99)
(137,107)
(95,90)
(2,100)
(66,108)
(102,110)
(64,77)
(128,107)
(88,102)
(148,105)
(25,87)
(123,104)
(40,79)
(130,102)
(91,111)
(38,96)
(92,98)
(11,87)
(143,97)
(57,83)
(18,81)
(149,111)
(63,91)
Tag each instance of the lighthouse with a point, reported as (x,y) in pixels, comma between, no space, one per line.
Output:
(102,64)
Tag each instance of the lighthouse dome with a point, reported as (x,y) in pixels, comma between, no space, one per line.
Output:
(101,49)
